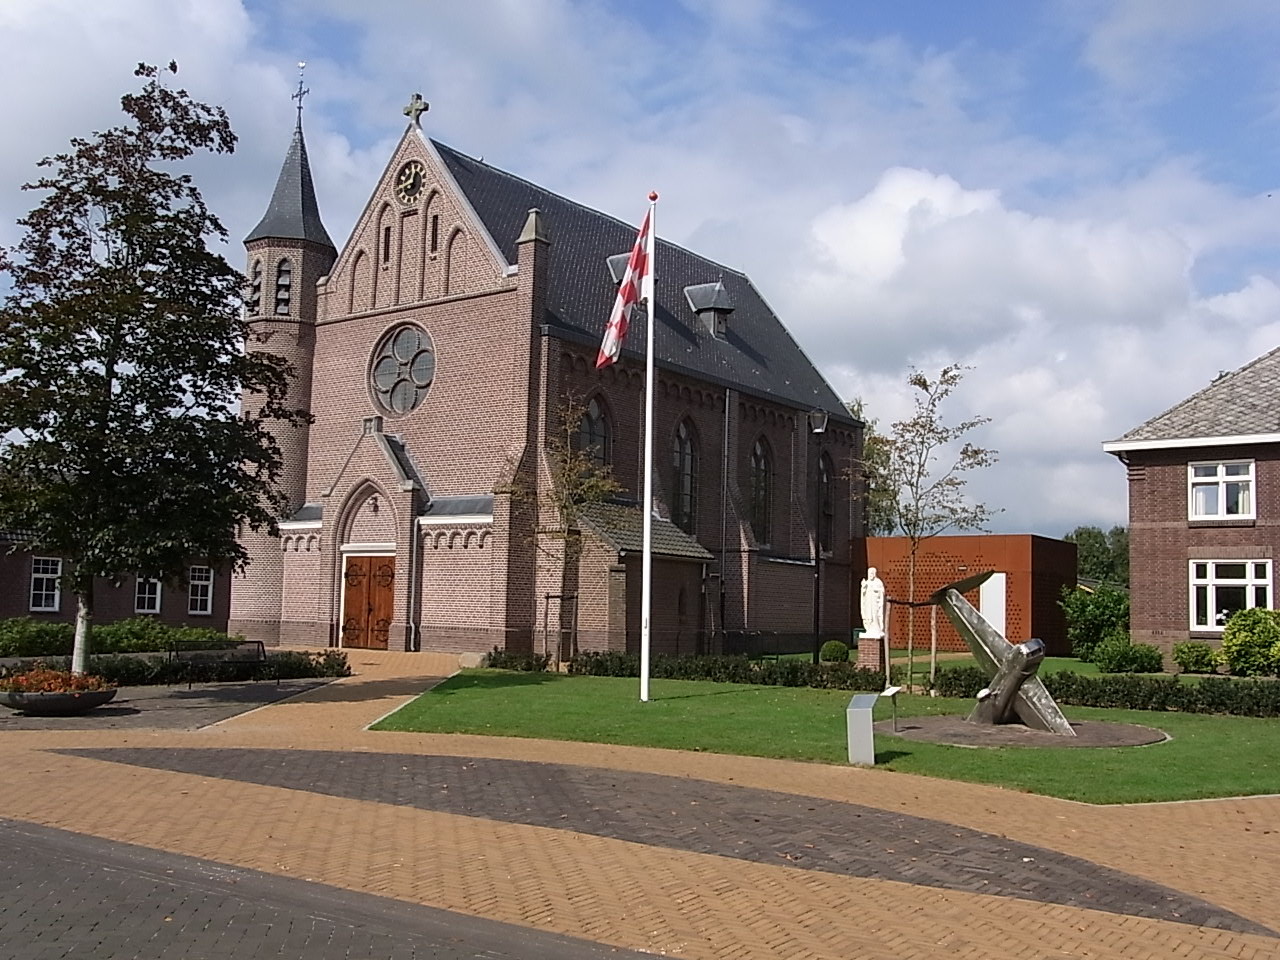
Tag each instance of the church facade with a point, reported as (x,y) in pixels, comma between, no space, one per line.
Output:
(447,355)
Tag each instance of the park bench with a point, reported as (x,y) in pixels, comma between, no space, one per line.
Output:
(245,657)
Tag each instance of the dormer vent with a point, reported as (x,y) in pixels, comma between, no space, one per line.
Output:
(618,266)
(712,304)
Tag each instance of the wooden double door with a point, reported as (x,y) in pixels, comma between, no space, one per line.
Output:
(367,601)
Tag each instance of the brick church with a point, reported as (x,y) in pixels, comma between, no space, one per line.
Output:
(439,350)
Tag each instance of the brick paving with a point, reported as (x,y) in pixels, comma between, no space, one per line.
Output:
(749,824)
(167,708)
(637,895)
(64,895)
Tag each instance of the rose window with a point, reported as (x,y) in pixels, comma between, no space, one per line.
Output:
(403,367)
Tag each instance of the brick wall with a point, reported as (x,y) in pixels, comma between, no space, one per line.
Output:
(112,601)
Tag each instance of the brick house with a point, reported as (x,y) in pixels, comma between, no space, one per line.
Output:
(30,587)
(1204,506)
(437,351)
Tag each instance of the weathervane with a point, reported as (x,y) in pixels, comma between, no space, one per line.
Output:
(302,91)
(416,108)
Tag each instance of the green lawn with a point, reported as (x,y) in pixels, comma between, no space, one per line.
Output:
(1209,756)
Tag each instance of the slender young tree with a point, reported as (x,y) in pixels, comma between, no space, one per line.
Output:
(122,446)
(926,468)
(870,475)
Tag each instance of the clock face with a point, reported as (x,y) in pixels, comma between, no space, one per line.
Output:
(409,183)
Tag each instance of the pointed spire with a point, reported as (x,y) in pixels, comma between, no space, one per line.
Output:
(293,213)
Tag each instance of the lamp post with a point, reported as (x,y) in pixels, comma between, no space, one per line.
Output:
(817,426)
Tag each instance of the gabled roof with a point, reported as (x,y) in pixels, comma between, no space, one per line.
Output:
(758,355)
(1238,407)
(293,213)
(622,527)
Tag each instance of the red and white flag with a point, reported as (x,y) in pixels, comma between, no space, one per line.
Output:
(637,285)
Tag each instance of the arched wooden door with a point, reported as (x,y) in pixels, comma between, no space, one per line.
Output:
(367,601)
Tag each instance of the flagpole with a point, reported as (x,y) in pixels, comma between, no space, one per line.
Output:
(646,556)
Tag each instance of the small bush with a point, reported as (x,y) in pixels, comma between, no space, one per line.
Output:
(25,637)
(528,662)
(1248,641)
(1193,656)
(1094,617)
(834,651)
(44,680)
(1118,655)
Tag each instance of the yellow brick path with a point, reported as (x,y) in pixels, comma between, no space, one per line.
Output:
(631,895)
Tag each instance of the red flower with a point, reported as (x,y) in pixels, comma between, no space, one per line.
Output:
(42,680)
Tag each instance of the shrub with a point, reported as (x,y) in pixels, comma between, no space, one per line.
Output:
(962,682)
(834,651)
(25,637)
(731,669)
(119,670)
(1195,657)
(1117,654)
(1094,617)
(1128,691)
(528,662)
(1248,641)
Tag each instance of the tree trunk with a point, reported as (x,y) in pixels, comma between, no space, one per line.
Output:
(84,614)
(911,618)
(933,647)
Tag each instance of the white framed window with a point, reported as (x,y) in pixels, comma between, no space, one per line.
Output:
(1221,587)
(146,596)
(1221,490)
(200,591)
(46,589)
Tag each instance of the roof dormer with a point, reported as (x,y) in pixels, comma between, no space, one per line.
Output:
(712,304)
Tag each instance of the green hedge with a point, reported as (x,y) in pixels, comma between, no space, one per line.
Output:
(25,637)
(528,662)
(1241,698)
(127,671)
(726,669)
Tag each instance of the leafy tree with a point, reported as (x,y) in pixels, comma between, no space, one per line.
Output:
(1094,618)
(925,469)
(1101,556)
(870,475)
(124,451)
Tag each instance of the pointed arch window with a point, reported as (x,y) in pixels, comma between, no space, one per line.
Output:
(254,300)
(595,435)
(761,490)
(685,480)
(826,503)
(284,288)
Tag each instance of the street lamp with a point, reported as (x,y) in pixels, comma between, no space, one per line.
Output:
(817,426)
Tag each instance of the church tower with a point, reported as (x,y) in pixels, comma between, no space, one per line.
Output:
(289,252)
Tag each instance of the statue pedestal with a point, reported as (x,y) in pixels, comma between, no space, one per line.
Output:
(871,652)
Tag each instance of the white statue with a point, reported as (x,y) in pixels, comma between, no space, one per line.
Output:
(872,606)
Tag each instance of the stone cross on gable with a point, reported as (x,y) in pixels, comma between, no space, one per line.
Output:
(416,108)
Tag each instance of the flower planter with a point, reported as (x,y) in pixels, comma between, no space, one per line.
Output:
(57,704)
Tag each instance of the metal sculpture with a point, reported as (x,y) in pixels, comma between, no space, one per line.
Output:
(1014,690)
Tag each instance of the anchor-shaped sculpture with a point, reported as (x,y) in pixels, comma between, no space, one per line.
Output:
(1014,691)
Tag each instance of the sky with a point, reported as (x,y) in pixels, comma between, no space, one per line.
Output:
(1072,197)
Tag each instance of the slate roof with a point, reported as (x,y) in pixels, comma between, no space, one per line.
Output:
(1245,402)
(758,356)
(293,213)
(623,527)
(460,506)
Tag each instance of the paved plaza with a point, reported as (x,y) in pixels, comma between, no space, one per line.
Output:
(291,830)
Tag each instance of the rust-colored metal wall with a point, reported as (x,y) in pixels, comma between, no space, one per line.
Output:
(1037,569)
